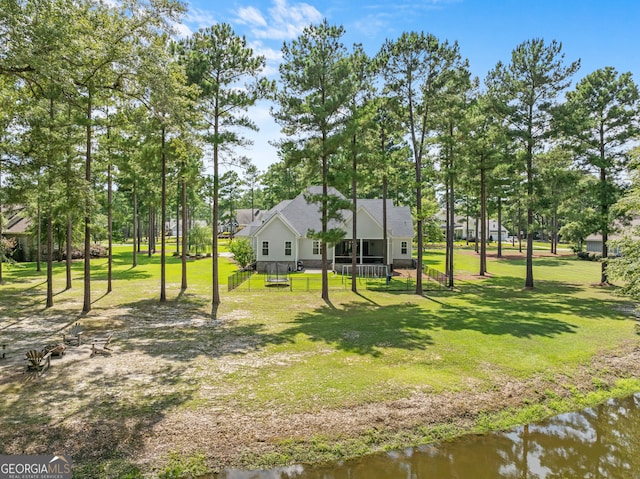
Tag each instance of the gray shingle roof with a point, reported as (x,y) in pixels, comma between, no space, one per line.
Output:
(303,216)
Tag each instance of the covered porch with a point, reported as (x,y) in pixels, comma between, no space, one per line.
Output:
(369,251)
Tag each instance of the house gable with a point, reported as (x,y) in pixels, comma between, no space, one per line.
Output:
(276,241)
(367,226)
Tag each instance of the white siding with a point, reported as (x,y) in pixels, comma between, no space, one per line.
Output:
(306,250)
(368,228)
(396,248)
(276,233)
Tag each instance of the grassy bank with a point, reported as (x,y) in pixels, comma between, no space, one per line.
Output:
(273,377)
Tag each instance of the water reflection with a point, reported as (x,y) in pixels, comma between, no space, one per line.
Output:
(602,442)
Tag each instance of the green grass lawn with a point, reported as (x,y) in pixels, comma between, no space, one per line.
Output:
(271,349)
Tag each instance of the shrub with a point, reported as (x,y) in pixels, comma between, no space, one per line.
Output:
(587,256)
(242,251)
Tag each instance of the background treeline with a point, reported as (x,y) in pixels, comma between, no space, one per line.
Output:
(110,127)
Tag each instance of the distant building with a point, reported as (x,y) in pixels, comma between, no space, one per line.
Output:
(18,225)
(464,231)
(594,241)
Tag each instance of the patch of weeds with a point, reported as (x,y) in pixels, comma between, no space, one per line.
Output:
(372,437)
(439,432)
(251,460)
(511,417)
(554,402)
(600,384)
(184,467)
(627,386)
(323,446)
(117,468)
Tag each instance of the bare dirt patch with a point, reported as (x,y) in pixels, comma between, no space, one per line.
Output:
(156,393)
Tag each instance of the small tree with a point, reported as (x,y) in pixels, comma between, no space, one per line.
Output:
(199,237)
(242,251)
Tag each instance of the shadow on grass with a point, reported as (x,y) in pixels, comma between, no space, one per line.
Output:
(496,306)
(364,328)
(107,428)
(505,294)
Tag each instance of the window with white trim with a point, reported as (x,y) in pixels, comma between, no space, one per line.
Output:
(316,246)
(265,248)
(403,247)
(287,248)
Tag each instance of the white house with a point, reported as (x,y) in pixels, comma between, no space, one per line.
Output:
(594,241)
(461,228)
(279,237)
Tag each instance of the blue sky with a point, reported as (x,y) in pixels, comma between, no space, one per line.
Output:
(598,32)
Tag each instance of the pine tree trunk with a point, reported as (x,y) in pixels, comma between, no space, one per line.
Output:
(528,283)
(216,192)
(49,303)
(385,236)
(184,233)
(136,239)
(354,229)
(605,227)
(419,225)
(178,199)
(86,307)
(163,220)
(49,258)
(39,232)
(483,217)
(500,226)
(69,241)
(109,227)
(451,227)
(447,225)
(323,244)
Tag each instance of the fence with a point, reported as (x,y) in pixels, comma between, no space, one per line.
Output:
(435,275)
(294,283)
(238,278)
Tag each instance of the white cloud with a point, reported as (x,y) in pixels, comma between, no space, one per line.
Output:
(283,21)
(200,18)
(273,57)
(251,16)
(181,30)
(372,25)
(270,54)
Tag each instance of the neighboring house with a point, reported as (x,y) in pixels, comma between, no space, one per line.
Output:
(594,241)
(17,225)
(279,237)
(246,216)
(174,227)
(461,229)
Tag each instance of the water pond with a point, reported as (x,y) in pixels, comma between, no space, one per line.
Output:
(601,442)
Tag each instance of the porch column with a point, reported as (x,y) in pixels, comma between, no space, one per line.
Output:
(333,257)
(389,251)
(361,250)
